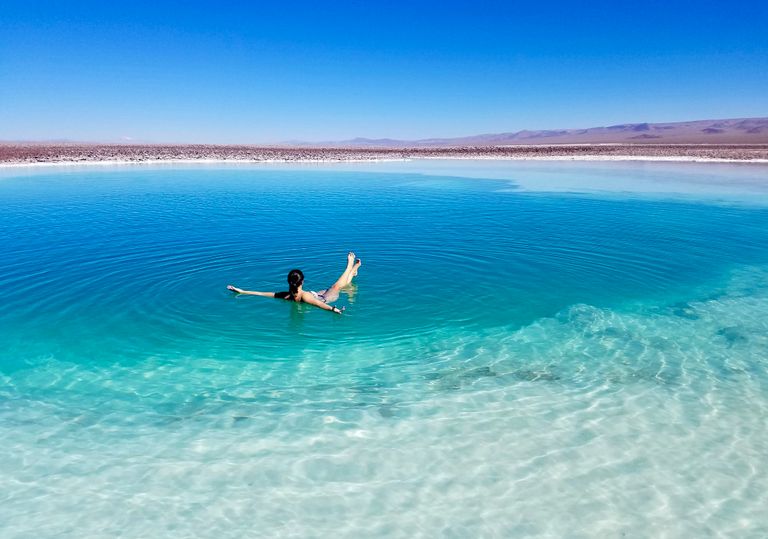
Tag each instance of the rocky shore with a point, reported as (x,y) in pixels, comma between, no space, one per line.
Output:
(21,153)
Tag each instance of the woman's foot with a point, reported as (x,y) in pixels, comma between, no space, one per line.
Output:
(234,289)
(357,265)
(350,259)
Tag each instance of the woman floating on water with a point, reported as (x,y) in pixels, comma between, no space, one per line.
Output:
(318,299)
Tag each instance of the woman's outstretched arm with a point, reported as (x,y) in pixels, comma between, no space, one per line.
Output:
(306,297)
(250,292)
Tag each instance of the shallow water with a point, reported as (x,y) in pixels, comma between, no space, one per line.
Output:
(539,349)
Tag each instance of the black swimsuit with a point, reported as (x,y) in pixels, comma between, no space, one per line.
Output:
(290,297)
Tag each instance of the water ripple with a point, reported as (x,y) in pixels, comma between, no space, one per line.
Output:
(604,355)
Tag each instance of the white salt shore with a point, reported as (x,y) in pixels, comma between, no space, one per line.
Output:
(123,162)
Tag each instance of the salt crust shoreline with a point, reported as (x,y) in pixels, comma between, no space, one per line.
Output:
(142,162)
(14,155)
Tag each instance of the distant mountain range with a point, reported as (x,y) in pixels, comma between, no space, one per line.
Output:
(734,131)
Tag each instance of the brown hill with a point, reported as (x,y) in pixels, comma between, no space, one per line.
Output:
(733,131)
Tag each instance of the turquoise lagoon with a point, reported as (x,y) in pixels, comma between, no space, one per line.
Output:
(539,349)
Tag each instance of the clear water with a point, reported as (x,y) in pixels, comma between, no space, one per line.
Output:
(540,349)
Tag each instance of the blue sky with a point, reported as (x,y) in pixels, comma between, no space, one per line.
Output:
(260,72)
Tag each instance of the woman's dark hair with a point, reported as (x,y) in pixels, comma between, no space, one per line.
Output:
(295,280)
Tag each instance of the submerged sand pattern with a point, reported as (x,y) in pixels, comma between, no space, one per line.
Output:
(652,420)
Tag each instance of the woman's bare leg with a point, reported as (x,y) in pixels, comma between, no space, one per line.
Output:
(345,279)
(353,273)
